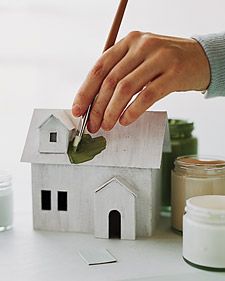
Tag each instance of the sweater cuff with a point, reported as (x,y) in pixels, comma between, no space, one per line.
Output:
(214,47)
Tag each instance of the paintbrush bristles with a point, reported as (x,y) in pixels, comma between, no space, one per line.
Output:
(76,142)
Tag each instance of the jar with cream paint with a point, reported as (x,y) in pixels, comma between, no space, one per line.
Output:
(194,176)
(204,232)
(182,143)
(6,201)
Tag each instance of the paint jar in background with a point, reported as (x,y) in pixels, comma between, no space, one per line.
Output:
(182,143)
(204,232)
(194,176)
(6,201)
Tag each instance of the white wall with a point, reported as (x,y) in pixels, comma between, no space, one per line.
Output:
(47,47)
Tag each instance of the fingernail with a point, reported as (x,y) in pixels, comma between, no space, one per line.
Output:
(105,127)
(123,121)
(76,110)
(92,127)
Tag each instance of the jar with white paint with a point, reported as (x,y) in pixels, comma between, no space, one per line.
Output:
(6,201)
(194,176)
(204,232)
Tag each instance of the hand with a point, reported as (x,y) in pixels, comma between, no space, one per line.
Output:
(151,65)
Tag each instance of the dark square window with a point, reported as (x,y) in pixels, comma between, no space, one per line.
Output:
(62,201)
(46,200)
(53,137)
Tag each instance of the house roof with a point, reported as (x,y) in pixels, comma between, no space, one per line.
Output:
(138,145)
(63,117)
(121,183)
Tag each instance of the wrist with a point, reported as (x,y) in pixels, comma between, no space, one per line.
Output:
(203,66)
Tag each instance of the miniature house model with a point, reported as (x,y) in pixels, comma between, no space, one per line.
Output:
(116,194)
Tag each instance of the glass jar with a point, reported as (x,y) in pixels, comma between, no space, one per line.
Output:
(194,176)
(182,143)
(204,232)
(6,201)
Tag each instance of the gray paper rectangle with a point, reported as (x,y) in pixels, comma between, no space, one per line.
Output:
(96,256)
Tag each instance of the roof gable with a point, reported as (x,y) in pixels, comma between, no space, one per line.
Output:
(62,117)
(138,145)
(120,182)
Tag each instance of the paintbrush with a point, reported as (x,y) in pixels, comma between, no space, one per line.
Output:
(109,43)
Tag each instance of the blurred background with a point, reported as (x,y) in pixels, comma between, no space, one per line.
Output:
(48,46)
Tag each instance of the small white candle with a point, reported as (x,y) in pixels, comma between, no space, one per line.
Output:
(6,201)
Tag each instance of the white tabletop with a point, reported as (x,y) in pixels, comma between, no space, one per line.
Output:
(31,255)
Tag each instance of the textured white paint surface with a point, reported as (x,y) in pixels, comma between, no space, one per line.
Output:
(115,195)
(81,183)
(139,145)
(62,138)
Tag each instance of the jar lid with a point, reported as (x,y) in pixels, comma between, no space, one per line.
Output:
(5,177)
(207,208)
(199,166)
(200,161)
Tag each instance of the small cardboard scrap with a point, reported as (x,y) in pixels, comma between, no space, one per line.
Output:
(96,256)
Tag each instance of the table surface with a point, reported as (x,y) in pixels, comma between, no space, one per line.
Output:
(31,255)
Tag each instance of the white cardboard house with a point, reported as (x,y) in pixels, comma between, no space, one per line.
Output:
(115,194)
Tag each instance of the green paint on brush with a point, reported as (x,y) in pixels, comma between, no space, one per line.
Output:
(88,148)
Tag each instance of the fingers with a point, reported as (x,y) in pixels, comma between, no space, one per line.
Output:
(153,92)
(93,82)
(150,64)
(127,87)
(110,83)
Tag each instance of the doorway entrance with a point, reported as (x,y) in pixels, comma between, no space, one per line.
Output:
(114,224)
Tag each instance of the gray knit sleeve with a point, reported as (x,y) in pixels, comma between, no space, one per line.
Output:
(214,46)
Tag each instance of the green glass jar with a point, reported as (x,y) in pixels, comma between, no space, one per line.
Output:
(182,143)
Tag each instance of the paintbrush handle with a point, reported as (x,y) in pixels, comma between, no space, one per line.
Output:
(109,43)
(115,25)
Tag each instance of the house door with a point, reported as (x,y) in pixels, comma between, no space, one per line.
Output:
(114,224)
